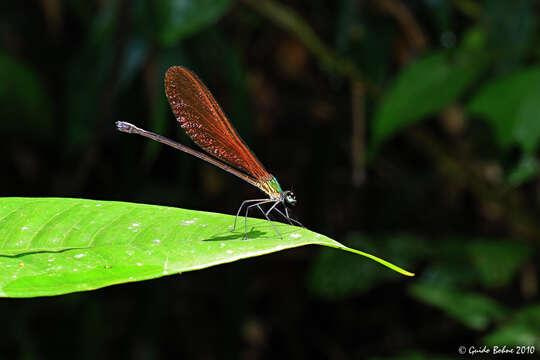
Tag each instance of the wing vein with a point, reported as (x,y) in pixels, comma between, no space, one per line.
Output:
(204,122)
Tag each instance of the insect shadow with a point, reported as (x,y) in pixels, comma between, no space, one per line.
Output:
(238,236)
(44,251)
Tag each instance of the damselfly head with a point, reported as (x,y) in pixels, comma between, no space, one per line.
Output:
(289,198)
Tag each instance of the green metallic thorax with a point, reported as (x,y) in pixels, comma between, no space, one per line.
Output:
(271,188)
(275,185)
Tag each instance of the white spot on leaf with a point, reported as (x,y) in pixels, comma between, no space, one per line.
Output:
(165,266)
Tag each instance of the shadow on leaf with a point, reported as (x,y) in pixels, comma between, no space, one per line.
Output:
(252,234)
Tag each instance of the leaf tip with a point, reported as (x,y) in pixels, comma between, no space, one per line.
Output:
(407,273)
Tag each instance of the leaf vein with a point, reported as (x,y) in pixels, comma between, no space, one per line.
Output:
(96,234)
(47,223)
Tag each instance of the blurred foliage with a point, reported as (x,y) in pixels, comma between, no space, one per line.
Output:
(428,85)
(511,106)
(526,169)
(523,327)
(178,19)
(445,107)
(475,311)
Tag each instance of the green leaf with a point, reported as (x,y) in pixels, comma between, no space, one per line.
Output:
(522,330)
(180,18)
(66,245)
(474,310)
(421,89)
(510,105)
(498,261)
(526,170)
(513,335)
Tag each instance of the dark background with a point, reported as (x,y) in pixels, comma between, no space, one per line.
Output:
(406,128)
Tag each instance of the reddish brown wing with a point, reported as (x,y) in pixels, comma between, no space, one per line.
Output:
(203,120)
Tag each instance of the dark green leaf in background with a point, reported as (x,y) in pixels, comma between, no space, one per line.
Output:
(488,262)
(526,170)
(473,310)
(522,329)
(421,89)
(498,261)
(510,105)
(180,18)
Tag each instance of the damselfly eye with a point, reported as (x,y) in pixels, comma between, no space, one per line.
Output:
(290,199)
